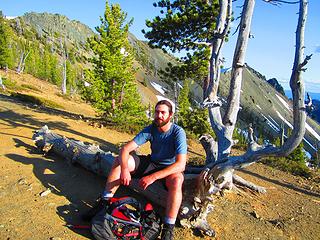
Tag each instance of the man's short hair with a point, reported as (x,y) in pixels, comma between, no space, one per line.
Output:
(165,102)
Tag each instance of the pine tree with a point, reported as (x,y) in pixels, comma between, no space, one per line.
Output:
(113,91)
(181,26)
(4,42)
(298,155)
(184,103)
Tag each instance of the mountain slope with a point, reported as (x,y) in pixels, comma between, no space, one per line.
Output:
(261,104)
(51,24)
(269,110)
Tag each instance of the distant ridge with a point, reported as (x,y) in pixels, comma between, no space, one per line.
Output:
(312,94)
(56,23)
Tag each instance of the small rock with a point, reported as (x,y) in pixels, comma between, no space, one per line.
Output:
(45,193)
(29,187)
(22,181)
(255,214)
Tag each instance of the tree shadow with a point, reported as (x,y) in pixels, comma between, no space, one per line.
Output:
(15,120)
(80,187)
(280,183)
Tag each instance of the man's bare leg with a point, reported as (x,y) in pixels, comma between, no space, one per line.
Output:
(112,184)
(174,184)
(113,180)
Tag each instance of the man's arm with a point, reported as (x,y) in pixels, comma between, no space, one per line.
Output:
(177,167)
(125,176)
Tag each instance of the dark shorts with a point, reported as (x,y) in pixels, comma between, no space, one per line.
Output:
(144,164)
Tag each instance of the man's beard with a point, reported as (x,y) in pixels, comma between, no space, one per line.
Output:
(162,123)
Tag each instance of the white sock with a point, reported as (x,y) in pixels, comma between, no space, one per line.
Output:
(106,195)
(168,220)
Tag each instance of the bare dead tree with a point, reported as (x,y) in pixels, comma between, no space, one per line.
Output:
(224,126)
(222,169)
(219,174)
(64,54)
(23,56)
(279,2)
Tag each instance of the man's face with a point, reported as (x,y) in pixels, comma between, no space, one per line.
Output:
(162,115)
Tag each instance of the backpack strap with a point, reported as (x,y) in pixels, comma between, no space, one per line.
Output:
(117,202)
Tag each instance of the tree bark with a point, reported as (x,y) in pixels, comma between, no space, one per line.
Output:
(94,159)
(22,61)
(64,65)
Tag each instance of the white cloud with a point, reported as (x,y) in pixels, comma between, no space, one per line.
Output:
(10,17)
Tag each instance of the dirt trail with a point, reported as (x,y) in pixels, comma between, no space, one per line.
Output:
(289,210)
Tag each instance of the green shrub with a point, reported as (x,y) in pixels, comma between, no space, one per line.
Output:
(237,135)
(195,122)
(11,85)
(285,164)
(31,87)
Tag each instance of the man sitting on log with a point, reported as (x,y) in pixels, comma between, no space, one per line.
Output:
(167,162)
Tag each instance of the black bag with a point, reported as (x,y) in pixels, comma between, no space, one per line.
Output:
(125,219)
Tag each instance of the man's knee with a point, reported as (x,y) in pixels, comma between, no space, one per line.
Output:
(174,181)
(132,162)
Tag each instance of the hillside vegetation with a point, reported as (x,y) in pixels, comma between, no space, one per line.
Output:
(268,110)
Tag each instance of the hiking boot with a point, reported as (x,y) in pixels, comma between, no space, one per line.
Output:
(167,232)
(100,204)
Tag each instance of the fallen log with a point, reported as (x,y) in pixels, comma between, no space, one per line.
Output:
(196,203)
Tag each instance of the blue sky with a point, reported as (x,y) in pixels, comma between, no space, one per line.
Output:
(270,52)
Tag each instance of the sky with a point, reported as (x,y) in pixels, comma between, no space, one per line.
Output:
(271,51)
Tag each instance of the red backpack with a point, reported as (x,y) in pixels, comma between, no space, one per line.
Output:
(124,218)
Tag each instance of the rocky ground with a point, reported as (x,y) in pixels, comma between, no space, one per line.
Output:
(289,210)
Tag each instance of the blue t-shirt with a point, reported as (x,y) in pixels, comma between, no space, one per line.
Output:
(164,145)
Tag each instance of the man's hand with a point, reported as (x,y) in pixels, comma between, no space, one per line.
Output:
(146,181)
(125,177)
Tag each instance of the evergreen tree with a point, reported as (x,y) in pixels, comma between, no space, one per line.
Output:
(298,155)
(184,103)
(112,90)
(55,73)
(182,25)
(4,42)
(71,75)
(193,119)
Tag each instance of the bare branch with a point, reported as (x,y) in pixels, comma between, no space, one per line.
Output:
(235,31)
(279,2)
(203,43)
(211,104)
(305,62)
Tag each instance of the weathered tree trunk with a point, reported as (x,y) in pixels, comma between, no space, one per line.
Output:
(220,171)
(94,159)
(1,84)
(22,61)
(64,66)
(223,128)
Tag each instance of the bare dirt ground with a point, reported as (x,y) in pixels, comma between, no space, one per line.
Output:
(289,210)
